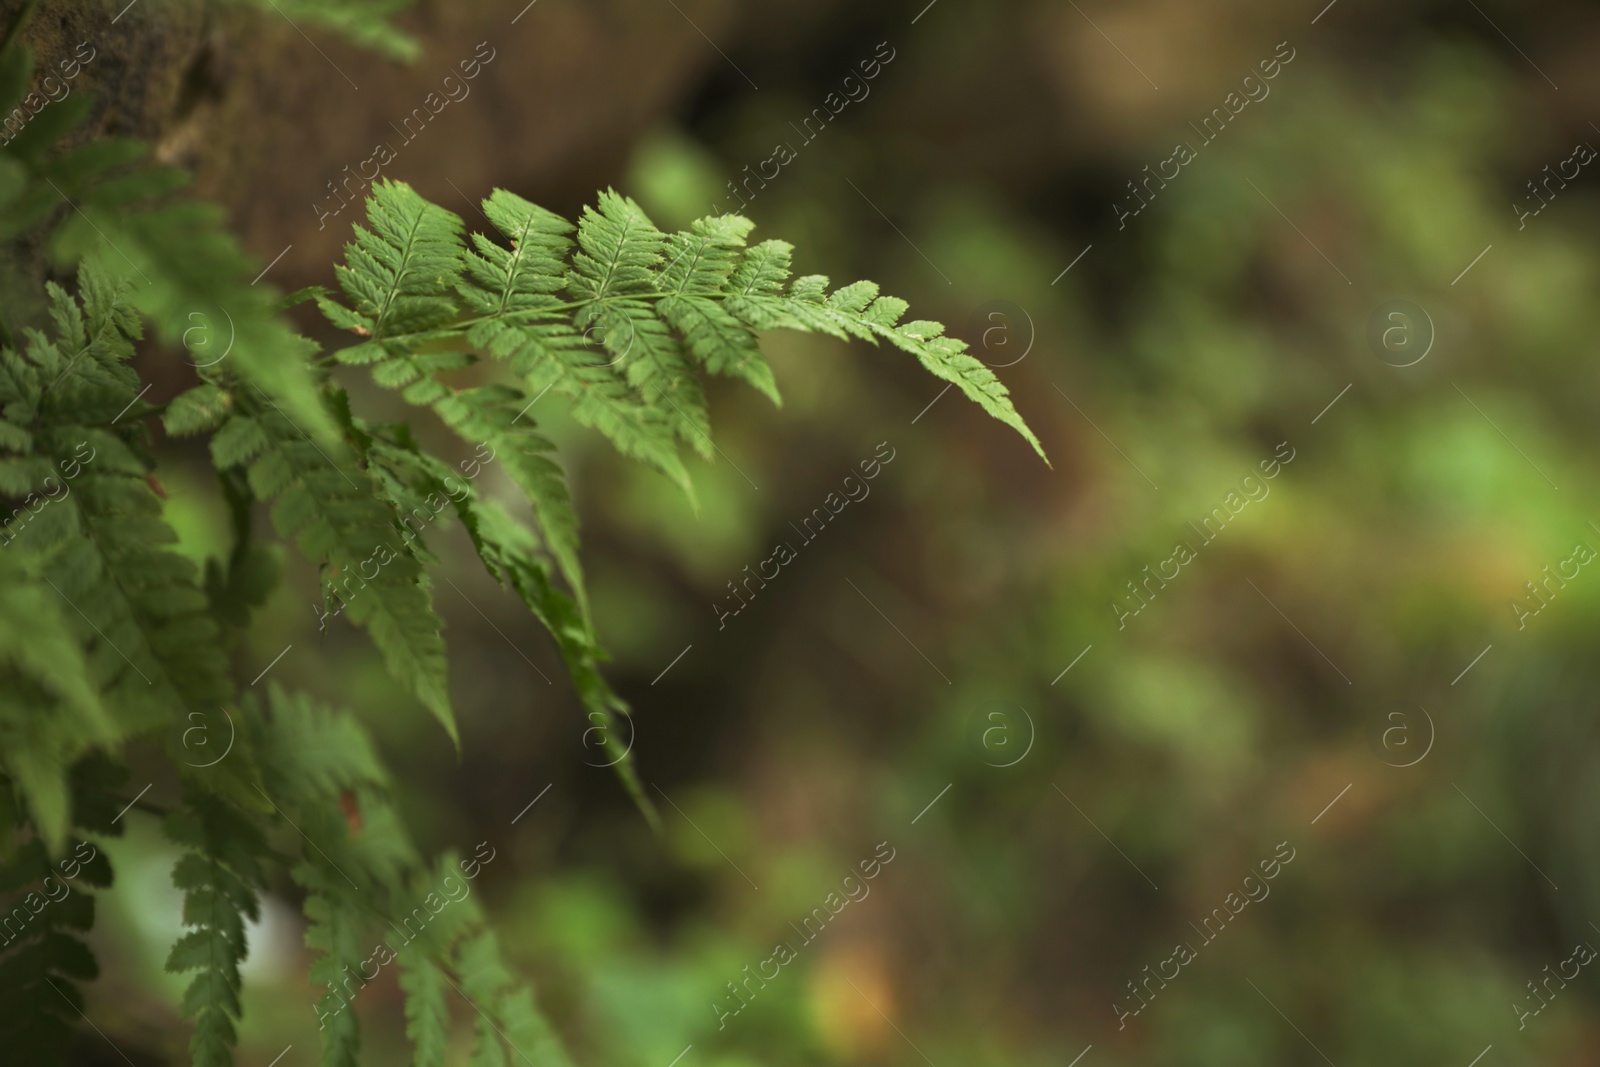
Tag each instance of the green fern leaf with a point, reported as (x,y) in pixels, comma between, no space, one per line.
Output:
(507,550)
(400,275)
(187,274)
(414,480)
(651,358)
(506,1009)
(319,754)
(313,761)
(51,713)
(696,282)
(552,357)
(97,530)
(493,416)
(501,282)
(366,886)
(619,249)
(217,879)
(42,958)
(856,311)
(519,317)
(338,929)
(238,441)
(612,274)
(332,510)
(199,409)
(427,1017)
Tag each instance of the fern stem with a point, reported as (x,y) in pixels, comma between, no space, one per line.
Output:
(464,324)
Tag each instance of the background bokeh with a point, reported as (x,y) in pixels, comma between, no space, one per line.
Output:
(1082,823)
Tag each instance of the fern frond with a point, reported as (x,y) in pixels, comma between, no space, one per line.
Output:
(427,1017)
(51,713)
(508,551)
(495,417)
(322,770)
(426,304)
(196,410)
(518,316)
(400,275)
(857,311)
(601,400)
(332,510)
(502,283)
(646,296)
(42,957)
(696,282)
(619,249)
(612,277)
(43,962)
(365,884)
(314,761)
(947,358)
(652,360)
(506,1008)
(409,276)
(187,274)
(413,481)
(338,928)
(217,877)
(95,528)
